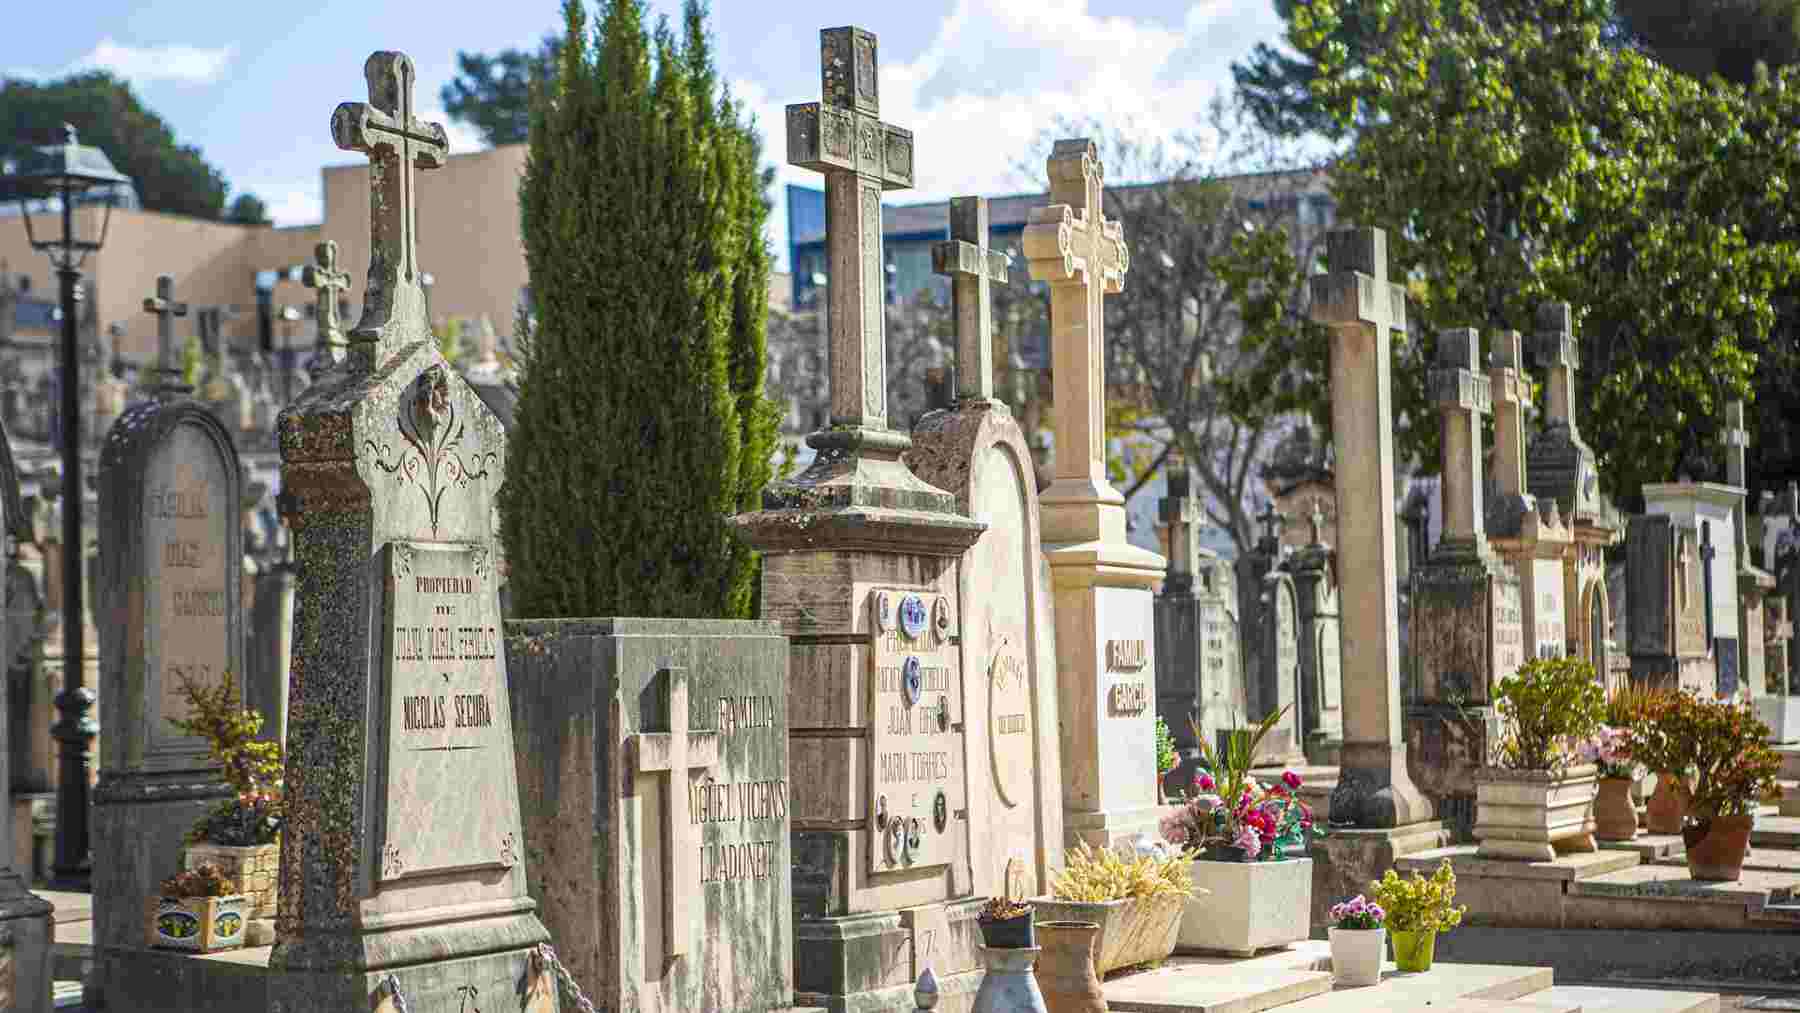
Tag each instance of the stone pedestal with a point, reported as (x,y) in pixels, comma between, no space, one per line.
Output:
(171,608)
(1345,863)
(622,725)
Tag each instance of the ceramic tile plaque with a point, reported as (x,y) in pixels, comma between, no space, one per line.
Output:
(452,799)
(916,794)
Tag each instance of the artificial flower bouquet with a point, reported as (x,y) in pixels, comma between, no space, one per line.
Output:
(1614,751)
(1230,815)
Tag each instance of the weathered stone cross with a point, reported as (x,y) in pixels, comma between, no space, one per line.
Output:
(1554,344)
(169,381)
(1462,395)
(860,156)
(1363,309)
(396,142)
(1071,245)
(673,754)
(1508,382)
(965,259)
(323,274)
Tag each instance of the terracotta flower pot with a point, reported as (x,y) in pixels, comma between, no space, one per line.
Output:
(1716,848)
(1614,817)
(1667,808)
(1065,970)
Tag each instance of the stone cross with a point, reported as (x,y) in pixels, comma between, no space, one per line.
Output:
(1554,345)
(1463,396)
(1071,245)
(397,142)
(1363,309)
(844,138)
(965,259)
(1737,438)
(1180,510)
(673,754)
(169,380)
(1509,383)
(323,275)
(1317,522)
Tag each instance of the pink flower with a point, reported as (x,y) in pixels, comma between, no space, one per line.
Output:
(1248,839)
(1174,828)
(1291,779)
(1204,782)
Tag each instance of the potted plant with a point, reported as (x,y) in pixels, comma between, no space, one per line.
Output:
(1135,898)
(196,910)
(241,836)
(1251,839)
(1639,710)
(1358,941)
(1417,910)
(1006,924)
(1167,758)
(1610,751)
(1735,771)
(1538,798)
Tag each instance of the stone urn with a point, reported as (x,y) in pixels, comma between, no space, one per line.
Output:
(1009,986)
(1530,815)
(1615,818)
(1667,808)
(1065,972)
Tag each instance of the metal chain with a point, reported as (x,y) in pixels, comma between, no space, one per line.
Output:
(565,979)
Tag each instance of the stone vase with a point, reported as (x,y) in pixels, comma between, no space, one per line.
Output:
(1615,819)
(1009,986)
(1253,906)
(1065,972)
(1667,808)
(1716,848)
(1529,815)
(1356,955)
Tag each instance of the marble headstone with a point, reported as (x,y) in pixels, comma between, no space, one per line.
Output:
(1666,598)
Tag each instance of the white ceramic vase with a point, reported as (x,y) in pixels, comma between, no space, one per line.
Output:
(1356,955)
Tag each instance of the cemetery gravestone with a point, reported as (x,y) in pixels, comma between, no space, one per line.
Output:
(1200,684)
(856,525)
(653,761)
(170,610)
(24,917)
(1707,509)
(1279,672)
(323,275)
(1251,570)
(1321,712)
(1754,585)
(1666,598)
(403,877)
(1561,468)
(1468,631)
(1105,625)
(1007,646)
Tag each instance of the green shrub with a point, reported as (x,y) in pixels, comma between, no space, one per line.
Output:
(1550,705)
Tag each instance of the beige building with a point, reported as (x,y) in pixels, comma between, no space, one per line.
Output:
(468,240)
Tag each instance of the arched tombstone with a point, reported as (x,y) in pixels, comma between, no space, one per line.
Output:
(25,927)
(170,609)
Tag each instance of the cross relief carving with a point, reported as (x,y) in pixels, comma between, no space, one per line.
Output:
(672,756)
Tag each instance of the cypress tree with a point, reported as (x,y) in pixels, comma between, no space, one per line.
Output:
(641,422)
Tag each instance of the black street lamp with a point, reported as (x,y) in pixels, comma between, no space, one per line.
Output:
(59,178)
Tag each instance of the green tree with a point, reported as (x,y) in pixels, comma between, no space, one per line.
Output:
(493,93)
(640,388)
(248,209)
(169,177)
(1512,167)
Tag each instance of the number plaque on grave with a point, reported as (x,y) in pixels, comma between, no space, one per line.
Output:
(449,728)
(916,791)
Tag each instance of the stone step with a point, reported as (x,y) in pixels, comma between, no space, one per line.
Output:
(1761,857)
(1598,999)
(1649,847)
(1776,832)
(1662,896)
(1789,803)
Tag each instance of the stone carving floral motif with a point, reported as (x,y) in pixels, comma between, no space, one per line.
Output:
(431,461)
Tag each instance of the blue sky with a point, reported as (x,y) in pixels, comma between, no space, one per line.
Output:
(253,84)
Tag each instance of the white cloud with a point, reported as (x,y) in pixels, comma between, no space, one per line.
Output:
(144,64)
(998,73)
(292,203)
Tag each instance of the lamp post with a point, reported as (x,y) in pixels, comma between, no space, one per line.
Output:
(64,175)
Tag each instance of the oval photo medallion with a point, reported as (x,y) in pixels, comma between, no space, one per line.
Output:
(940,620)
(912,616)
(884,611)
(909,679)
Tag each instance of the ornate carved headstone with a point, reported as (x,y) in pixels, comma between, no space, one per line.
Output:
(1707,510)
(170,609)
(859,520)
(1321,711)
(402,796)
(1102,583)
(1666,595)
(1007,644)
(25,923)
